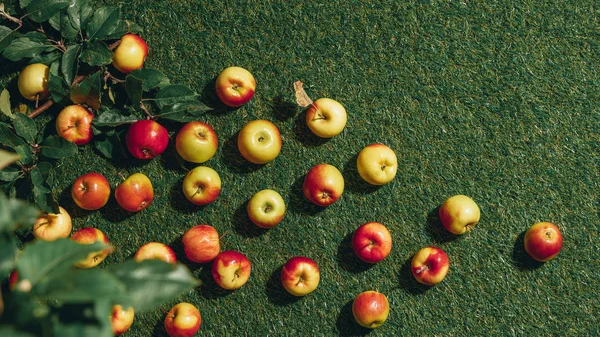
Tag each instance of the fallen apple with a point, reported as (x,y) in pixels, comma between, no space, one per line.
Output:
(50,226)
(326,117)
(155,251)
(430,265)
(459,214)
(235,86)
(135,193)
(266,208)
(543,241)
(202,185)
(90,191)
(300,276)
(259,141)
(231,270)
(377,164)
(130,54)
(372,242)
(183,320)
(74,123)
(323,185)
(146,139)
(121,319)
(196,142)
(370,309)
(201,243)
(87,236)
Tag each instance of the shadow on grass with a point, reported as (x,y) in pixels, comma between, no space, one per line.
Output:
(179,201)
(275,291)
(303,133)
(159,329)
(348,260)
(234,159)
(208,96)
(520,258)
(298,202)
(282,109)
(347,325)
(407,281)
(243,225)
(209,288)
(435,230)
(171,160)
(353,181)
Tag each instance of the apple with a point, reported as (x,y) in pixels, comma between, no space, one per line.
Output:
(202,185)
(135,193)
(370,309)
(259,141)
(13,279)
(155,251)
(372,242)
(201,243)
(121,319)
(266,208)
(33,82)
(146,139)
(430,265)
(231,270)
(183,320)
(90,191)
(323,185)
(74,123)
(87,236)
(130,54)
(235,86)
(459,214)
(543,241)
(300,276)
(196,142)
(377,164)
(326,117)
(50,226)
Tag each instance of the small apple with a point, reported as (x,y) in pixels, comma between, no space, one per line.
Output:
(196,142)
(259,141)
(87,236)
(121,319)
(430,265)
(202,185)
(235,86)
(130,54)
(155,251)
(90,191)
(74,123)
(370,309)
(50,226)
(146,139)
(326,117)
(300,276)
(377,164)
(372,242)
(459,214)
(183,320)
(266,208)
(33,82)
(543,241)
(231,270)
(135,193)
(323,185)
(13,279)
(201,243)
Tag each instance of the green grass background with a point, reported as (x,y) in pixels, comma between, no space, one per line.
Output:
(497,100)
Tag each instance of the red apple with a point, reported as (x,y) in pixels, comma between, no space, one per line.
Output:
(231,270)
(372,242)
(196,142)
(323,185)
(300,276)
(135,193)
(155,251)
(90,191)
(202,185)
(235,86)
(430,265)
(130,54)
(370,309)
(12,280)
(87,236)
(543,241)
(201,243)
(121,319)
(74,123)
(183,320)
(146,139)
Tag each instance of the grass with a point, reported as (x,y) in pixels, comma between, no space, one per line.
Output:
(497,100)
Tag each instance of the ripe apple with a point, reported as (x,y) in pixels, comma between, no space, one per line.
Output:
(50,226)
(377,164)
(33,82)
(155,251)
(201,243)
(323,185)
(121,319)
(372,242)
(259,141)
(300,276)
(543,241)
(130,54)
(146,139)
(74,123)
(370,309)
(326,117)
(196,142)
(459,214)
(90,191)
(266,208)
(202,185)
(430,265)
(87,236)
(183,320)
(231,270)
(235,86)
(12,280)
(135,193)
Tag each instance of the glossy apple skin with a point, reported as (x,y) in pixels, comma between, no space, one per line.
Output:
(183,320)
(235,86)
(543,241)
(459,214)
(323,185)
(130,54)
(372,242)
(33,82)
(202,185)
(326,117)
(370,309)
(155,251)
(146,139)
(87,236)
(377,164)
(231,270)
(50,227)
(196,142)
(430,265)
(90,191)
(135,193)
(259,141)
(74,123)
(266,208)
(121,319)
(300,276)
(201,243)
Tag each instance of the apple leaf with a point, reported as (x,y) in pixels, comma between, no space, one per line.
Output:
(113,117)
(59,90)
(133,87)
(121,28)
(83,286)
(25,47)
(41,177)
(8,253)
(5,104)
(57,147)
(88,91)
(42,10)
(6,37)
(184,111)
(111,144)
(10,173)
(79,13)
(151,78)
(69,64)
(301,96)
(8,137)
(45,200)
(10,331)
(25,127)
(61,22)
(25,153)
(90,319)
(46,58)
(103,22)
(174,93)
(7,158)
(15,213)
(96,53)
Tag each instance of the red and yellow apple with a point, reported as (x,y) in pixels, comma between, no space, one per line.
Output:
(74,123)
(87,236)
(235,86)
(90,191)
(146,139)
(543,241)
(130,54)
(121,319)
(183,320)
(259,141)
(377,164)
(326,117)
(155,251)
(430,265)
(201,243)
(50,226)
(372,242)
(33,82)
(231,270)
(196,142)
(202,185)
(459,214)
(135,193)
(300,276)
(266,208)
(370,309)
(323,185)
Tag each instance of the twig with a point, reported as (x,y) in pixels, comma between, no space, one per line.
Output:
(41,109)
(11,18)
(145,110)
(114,45)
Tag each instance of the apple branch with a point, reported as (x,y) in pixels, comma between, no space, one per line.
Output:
(10,17)
(50,102)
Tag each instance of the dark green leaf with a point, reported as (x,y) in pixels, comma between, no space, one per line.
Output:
(113,118)
(57,147)
(10,174)
(6,37)
(69,64)
(83,319)
(8,253)
(59,90)
(112,144)
(88,91)
(173,94)
(25,127)
(103,22)
(152,78)
(96,53)
(184,111)
(10,331)
(79,13)
(46,58)
(133,87)
(42,10)
(25,153)
(5,104)
(61,22)
(24,47)
(134,28)
(36,36)
(41,177)
(45,200)
(8,137)
(119,30)
(15,213)
(80,286)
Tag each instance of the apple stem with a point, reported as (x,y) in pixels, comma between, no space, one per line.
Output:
(222,236)
(114,45)
(145,110)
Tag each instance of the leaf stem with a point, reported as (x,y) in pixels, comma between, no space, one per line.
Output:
(145,110)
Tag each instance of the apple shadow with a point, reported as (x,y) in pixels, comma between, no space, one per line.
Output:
(171,160)
(243,225)
(276,292)
(65,200)
(435,230)
(234,159)
(298,202)
(159,329)
(354,182)
(407,281)
(179,201)
(303,133)
(520,258)
(347,325)
(348,260)
(283,109)
(113,212)
(209,288)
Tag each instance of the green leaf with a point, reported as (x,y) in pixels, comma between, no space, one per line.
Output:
(10,174)
(25,153)
(16,213)
(152,78)
(57,147)
(8,137)
(69,64)
(173,94)
(112,144)
(184,111)
(90,319)
(10,331)
(25,127)
(103,22)
(5,104)
(46,58)
(133,87)
(24,47)
(8,253)
(96,53)
(88,91)
(42,10)
(41,177)
(119,30)
(61,22)
(80,286)
(45,200)
(79,13)
(59,90)
(6,37)
(113,117)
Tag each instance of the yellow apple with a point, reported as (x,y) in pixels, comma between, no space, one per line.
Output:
(259,141)
(183,320)
(51,226)
(266,208)
(459,214)
(121,319)
(377,164)
(130,54)
(196,142)
(202,185)
(33,82)
(326,117)
(87,236)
